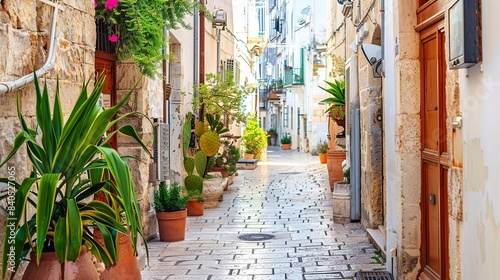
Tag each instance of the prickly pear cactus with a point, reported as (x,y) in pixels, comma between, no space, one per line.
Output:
(210,143)
(189,165)
(199,129)
(200,162)
(193,183)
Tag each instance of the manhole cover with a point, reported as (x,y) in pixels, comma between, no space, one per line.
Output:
(255,236)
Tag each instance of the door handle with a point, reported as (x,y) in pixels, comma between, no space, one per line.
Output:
(432,198)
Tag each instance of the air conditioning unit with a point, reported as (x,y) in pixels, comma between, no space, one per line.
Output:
(233,65)
(347,8)
(161,150)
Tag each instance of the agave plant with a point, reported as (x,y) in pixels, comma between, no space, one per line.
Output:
(337,91)
(71,162)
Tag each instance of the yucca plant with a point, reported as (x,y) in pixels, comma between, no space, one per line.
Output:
(337,92)
(71,162)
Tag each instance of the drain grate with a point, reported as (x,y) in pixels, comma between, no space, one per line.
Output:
(256,236)
(290,173)
(373,275)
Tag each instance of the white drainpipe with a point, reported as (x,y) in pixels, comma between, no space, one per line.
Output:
(6,87)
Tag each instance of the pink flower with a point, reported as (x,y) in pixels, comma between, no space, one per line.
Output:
(111,4)
(113,38)
(95,3)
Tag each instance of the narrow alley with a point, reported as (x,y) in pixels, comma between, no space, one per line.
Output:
(288,200)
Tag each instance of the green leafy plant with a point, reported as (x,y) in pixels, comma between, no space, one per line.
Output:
(337,99)
(170,199)
(70,163)
(286,138)
(322,147)
(221,97)
(137,27)
(378,257)
(347,174)
(254,139)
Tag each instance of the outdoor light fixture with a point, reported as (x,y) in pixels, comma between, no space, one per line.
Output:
(463,34)
(373,54)
(269,69)
(219,18)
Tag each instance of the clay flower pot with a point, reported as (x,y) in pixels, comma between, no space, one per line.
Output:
(172,225)
(285,146)
(126,267)
(50,268)
(334,166)
(322,158)
(194,207)
(248,156)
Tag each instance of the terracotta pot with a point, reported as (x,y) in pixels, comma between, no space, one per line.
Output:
(222,170)
(172,225)
(334,166)
(285,146)
(248,156)
(126,267)
(322,157)
(212,190)
(50,268)
(194,207)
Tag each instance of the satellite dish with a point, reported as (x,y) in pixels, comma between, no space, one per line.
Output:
(341,2)
(301,21)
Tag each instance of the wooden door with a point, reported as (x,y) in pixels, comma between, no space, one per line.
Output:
(105,62)
(434,248)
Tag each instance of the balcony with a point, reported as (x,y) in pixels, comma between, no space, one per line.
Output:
(294,77)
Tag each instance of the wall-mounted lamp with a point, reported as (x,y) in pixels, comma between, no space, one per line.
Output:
(269,69)
(373,54)
(220,18)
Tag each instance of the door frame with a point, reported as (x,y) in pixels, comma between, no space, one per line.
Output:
(442,158)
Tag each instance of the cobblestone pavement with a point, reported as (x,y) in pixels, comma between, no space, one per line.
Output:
(287,197)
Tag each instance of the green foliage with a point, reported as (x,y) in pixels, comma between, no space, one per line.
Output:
(139,27)
(322,147)
(170,199)
(71,162)
(193,183)
(286,138)
(378,257)
(254,139)
(200,162)
(229,156)
(337,91)
(221,97)
(347,174)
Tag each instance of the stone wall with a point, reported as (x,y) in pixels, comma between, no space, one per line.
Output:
(407,135)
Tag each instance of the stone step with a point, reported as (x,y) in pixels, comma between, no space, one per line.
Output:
(247,164)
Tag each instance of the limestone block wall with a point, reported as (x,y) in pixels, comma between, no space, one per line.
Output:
(407,141)
(127,75)
(24,32)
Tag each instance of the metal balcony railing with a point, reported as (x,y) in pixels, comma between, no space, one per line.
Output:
(294,76)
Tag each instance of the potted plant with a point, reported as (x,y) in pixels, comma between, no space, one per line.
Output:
(286,141)
(170,205)
(193,181)
(209,142)
(70,163)
(272,136)
(336,101)
(341,198)
(254,139)
(322,149)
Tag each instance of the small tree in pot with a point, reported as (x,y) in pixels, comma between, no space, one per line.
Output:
(170,205)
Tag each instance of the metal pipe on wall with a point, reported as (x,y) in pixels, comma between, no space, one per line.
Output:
(6,87)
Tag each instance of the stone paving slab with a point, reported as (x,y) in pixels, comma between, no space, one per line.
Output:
(288,197)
